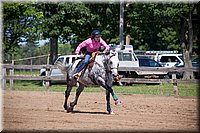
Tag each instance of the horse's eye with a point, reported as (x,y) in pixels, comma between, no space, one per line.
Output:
(111,63)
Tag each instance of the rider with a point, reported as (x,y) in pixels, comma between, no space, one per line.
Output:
(92,44)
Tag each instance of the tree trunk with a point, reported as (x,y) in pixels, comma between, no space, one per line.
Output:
(53,49)
(187,48)
(198,27)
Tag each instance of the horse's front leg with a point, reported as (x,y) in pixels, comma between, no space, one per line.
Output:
(109,91)
(108,102)
(109,88)
(115,98)
(78,92)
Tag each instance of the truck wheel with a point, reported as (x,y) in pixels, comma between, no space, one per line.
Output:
(45,83)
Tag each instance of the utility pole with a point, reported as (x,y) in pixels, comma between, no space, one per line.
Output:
(121,25)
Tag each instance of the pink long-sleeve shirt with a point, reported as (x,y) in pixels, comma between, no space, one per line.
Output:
(91,45)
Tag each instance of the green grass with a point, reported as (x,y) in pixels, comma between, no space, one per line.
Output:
(27,72)
(166,89)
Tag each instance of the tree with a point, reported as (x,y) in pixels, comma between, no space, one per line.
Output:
(20,25)
(164,26)
(105,17)
(149,28)
(60,20)
(181,17)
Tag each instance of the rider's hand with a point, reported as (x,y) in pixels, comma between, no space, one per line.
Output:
(105,51)
(98,52)
(76,57)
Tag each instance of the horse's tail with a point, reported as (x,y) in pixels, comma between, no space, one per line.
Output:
(63,68)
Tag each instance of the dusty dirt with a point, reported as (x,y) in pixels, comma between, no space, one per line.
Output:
(33,111)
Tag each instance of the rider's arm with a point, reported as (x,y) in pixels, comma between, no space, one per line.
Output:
(81,45)
(107,47)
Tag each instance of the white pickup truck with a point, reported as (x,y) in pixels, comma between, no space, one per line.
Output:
(65,60)
(169,60)
(128,59)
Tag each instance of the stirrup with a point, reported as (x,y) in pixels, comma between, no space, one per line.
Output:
(76,75)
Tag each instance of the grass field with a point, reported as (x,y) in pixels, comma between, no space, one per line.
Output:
(164,89)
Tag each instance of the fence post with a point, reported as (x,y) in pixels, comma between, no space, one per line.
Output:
(31,65)
(47,82)
(174,82)
(3,78)
(11,81)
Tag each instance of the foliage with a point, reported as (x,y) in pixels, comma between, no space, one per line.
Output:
(152,26)
(61,20)
(106,19)
(64,49)
(20,25)
(157,26)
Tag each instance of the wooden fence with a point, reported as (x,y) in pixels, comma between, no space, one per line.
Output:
(11,76)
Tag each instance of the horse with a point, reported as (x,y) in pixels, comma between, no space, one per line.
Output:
(101,71)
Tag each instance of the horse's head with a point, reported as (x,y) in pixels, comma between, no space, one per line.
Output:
(111,64)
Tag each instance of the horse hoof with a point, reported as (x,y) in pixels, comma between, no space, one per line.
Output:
(117,102)
(70,109)
(65,107)
(110,112)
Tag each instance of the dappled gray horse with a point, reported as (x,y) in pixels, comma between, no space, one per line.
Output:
(101,72)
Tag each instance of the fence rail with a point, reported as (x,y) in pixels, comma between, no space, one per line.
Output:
(171,69)
(174,81)
(10,66)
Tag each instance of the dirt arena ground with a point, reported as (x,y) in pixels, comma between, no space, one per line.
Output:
(34,111)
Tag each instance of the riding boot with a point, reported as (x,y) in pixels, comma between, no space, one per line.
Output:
(77,75)
(82,66)
(78,72)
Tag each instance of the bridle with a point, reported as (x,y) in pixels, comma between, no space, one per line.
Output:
(109,67)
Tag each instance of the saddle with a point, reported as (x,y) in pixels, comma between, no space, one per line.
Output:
(89,65)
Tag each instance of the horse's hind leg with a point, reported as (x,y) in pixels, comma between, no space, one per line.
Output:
(67,93)
(78,92)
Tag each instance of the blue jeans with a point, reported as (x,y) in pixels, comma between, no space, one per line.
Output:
(84,63)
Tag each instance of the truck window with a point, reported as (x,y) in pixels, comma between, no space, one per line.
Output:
(67,60)
(168,59)
(153,64)
(120,56)
(73,59)
(127,57)
(124,56)
(61,59)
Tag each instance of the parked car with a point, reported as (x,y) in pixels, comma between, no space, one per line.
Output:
(147,62)
(195,64)
(144,62)
(169,60)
